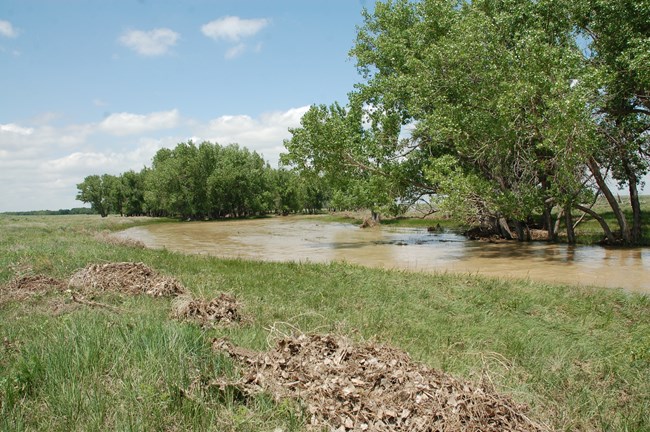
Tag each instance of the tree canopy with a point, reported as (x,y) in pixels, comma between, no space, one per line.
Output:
(203,182)
(502,109)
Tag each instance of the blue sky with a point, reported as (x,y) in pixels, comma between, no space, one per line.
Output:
(92,87)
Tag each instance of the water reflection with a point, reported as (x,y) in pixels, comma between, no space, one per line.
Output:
(307,239)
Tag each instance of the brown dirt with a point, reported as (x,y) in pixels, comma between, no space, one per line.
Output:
(375,388)
(127,278)
(224,309)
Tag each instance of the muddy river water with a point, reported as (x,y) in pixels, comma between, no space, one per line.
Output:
(307,239)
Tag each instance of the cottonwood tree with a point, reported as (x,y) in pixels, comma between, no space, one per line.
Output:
(97,190)
(618,53)
(499,99)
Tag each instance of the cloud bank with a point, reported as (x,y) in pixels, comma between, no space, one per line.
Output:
(41,164)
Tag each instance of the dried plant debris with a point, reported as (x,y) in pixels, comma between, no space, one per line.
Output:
(375,388)
(127,278)
(224,309)
(22,287)
(36,283)
(114,239)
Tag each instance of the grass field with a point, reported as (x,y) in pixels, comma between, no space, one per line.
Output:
(580,357)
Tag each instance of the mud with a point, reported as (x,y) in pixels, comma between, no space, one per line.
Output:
(346,386)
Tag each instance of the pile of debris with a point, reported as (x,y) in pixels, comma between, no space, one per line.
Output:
(224,309)
(127,278)
(114,239)
(369,387)
(27,285)
(36,284)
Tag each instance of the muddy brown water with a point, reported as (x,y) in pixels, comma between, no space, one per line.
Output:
(305,239)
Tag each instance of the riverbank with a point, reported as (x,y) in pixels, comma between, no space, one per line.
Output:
(579,357)
(587,229)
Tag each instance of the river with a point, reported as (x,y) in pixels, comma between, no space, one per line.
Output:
(306,239)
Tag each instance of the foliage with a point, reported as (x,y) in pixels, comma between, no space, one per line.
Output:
(101,192)
(204,181)
(501,95)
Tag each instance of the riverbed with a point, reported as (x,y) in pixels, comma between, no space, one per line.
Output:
(309,239)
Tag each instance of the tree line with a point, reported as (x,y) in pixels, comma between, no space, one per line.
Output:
(511,114)
(204,181)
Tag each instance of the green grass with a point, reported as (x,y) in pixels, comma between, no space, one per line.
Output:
(580,357)
(590,231)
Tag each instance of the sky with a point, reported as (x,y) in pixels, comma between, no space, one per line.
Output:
(94,86)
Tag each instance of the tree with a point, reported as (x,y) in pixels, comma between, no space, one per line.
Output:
(495,95)
(96,190)
(133,189)
(618,35)
(346,151)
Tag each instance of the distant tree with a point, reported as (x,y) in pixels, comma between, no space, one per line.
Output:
(132,184)
(96,191)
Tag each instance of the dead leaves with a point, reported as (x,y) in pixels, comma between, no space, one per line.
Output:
(224,309)
(130,279)
(370,387)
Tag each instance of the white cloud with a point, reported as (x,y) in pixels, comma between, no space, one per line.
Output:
(7,29)
(15,129)
(129,124)
(264,134)
(233,28)
(150,43)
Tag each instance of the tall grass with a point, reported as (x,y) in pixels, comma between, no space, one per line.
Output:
(580,357)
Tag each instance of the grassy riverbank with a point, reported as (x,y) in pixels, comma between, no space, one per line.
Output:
(579,357)
(588,230)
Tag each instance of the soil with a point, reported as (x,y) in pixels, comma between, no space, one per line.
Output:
(345,386)
(126,278)
(224,309)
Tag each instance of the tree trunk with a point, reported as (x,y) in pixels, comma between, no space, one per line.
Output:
(505,229)
(548,223)
(620,217)
(558,221)
(548,212)
(636,206)
(519,229)
(608,232)
(568,220)
(375,216)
